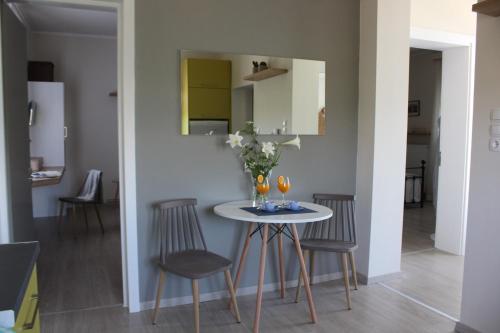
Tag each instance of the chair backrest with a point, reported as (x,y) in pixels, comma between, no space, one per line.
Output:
(91,188)
(179,226)
(341,226)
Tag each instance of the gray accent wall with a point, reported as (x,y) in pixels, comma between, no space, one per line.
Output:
(173,166)
(15,95)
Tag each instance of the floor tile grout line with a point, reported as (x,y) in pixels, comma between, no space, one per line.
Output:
(80,310)
(416,301)
(417,252)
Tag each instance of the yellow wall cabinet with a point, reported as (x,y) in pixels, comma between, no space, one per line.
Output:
(205,91)
(28,318)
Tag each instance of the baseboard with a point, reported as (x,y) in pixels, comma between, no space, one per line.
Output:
(205,297)
(379,278)
(462,328)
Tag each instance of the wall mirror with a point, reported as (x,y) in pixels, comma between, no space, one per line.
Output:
(222,91)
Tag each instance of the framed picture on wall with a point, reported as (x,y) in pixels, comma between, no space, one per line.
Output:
(414,108)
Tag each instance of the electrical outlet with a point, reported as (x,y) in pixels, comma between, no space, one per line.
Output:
(495,144)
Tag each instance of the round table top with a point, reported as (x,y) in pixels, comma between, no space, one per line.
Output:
(231,210)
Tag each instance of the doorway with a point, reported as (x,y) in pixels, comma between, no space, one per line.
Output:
(126,132)
(72,74)
(438,166)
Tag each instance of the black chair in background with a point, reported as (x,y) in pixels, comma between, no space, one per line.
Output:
(90,194)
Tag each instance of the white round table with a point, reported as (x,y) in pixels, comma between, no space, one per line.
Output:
(279,223)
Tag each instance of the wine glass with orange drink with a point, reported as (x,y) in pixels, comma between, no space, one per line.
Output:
(263,187)
(284,186)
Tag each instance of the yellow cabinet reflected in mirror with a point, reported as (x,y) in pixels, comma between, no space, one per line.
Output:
(220,92)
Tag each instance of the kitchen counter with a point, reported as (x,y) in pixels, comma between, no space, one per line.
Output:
(37,182)
(17,262)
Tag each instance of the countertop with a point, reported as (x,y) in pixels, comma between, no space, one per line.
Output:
(16,265)
(38,182)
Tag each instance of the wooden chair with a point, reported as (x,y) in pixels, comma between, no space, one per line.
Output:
(183,252)
(93,199)
(337,234)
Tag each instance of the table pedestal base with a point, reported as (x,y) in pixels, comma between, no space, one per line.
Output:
(279,230)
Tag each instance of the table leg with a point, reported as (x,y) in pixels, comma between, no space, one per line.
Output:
(243,257)
(281,263)
(303,271)
(262,269)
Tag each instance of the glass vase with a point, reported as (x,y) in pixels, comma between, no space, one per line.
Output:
(253,191)
(255,197)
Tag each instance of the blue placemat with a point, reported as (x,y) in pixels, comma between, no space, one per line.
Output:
(282,211)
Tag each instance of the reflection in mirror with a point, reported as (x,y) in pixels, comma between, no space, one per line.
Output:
(221,91)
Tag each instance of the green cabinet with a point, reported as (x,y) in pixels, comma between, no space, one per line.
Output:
(205,90)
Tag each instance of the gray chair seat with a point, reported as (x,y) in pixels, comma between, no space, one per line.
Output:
(195,264)
(327,245)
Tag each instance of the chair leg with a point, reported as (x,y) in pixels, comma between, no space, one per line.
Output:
(60,219)
(311,267)
(85,216)
(99,218)
(353,270)
(243,257)
(346,280)
(75,223)
(159,293)
(229,283)
(299,283)
(196,306)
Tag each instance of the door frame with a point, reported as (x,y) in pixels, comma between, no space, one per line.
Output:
(126,138)
(441,41)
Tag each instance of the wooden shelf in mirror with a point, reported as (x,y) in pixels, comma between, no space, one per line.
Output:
(265,74)
(487,7)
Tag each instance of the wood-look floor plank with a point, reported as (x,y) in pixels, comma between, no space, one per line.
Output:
(434,278)
(81,273)
(375,310)
(428,275)
(418,225)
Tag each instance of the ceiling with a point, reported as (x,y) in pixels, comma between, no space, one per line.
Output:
(67,19)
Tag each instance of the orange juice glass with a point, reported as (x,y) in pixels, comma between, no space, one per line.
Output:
(263,188)
(284,186)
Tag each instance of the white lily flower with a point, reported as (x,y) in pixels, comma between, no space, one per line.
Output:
(268,148)
(294,142)
(235,139)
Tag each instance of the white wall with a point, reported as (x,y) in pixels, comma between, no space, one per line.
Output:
(87,66)
(481,290)
(383,93)
(453,16)
(305,95)
(272,98)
